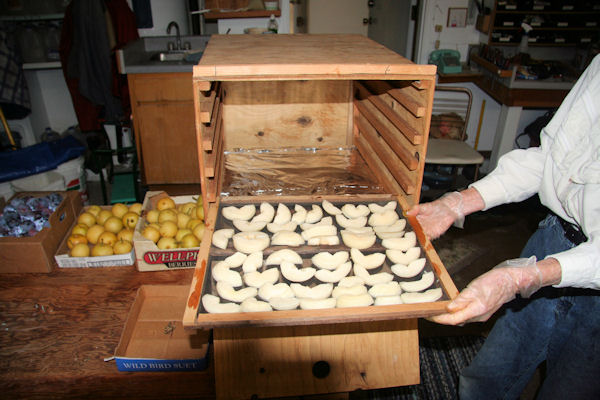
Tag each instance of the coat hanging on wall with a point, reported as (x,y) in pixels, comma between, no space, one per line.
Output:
(91,33)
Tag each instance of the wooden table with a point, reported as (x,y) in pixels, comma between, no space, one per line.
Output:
(57,329)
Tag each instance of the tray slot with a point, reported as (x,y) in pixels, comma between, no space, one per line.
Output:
(407,96)
(213,184)
(212,157)
(392,136)
(387,108)
(207,105)
(379,168)
(422,85)
(394,163)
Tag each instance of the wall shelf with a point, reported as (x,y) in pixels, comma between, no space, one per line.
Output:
(241,14)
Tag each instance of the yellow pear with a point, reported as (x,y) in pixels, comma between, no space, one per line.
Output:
(200,212)
(103,216)
(76,239)
(168,229)
(130,219)
(187,208)
(108,238)
(152,216)
(166,243)
(79,229)
(136,208)
(102,249)
(189,240)
(125,234)
(165,203)
(113,224)
(182,220)
(151,233)
(193,222)
(80,250)
(119,209)
(86,218)
(167,215)
(198,231)
(94,210)
(156,225)
(181,233)
(122,247)
(93,233)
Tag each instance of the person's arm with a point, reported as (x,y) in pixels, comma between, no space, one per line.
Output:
(486,294)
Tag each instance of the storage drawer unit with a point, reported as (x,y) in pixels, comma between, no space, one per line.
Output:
(274,93)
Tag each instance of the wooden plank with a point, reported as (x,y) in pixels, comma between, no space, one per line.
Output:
(203,86)
(423,84)
(407,186)
(408,131)
(393,163)
(286,114)
(378,167)
(284,361)
(201,132)
(433,258)
(212,157)
(208,131)
(388,131)
(191,309)
(328,56)
(405,96)
(208,105)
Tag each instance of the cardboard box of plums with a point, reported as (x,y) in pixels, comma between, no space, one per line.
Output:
(32,250)
(169,232)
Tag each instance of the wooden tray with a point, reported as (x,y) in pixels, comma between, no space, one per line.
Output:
(195,316)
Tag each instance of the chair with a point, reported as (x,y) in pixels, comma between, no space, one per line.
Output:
(123,176)
(447,151)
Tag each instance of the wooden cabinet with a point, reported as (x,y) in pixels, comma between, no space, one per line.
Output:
(555,23)
(164,122)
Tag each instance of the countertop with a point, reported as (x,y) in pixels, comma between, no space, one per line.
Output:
(141,56)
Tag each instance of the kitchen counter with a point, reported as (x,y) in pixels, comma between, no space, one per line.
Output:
(143,55)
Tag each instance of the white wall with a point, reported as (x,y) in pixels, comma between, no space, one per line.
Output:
(237,25)
(435,12)
(163,12)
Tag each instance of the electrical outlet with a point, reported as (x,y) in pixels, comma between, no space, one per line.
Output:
(437,44)
(438,28)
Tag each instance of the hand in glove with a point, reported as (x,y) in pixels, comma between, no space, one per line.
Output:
(486,294)
(436,217)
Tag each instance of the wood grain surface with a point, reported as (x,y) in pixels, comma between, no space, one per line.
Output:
(57,328)
(236,57)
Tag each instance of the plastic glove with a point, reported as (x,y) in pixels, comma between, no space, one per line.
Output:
(436,217)
(486,294)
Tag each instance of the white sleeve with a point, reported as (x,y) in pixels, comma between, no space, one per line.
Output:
(581,264)
(517,177)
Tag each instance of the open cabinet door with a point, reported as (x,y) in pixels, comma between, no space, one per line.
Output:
(298,15)
(391,24)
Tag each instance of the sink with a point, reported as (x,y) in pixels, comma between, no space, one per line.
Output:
(154,54)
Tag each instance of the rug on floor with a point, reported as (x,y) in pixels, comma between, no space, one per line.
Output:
(441,359)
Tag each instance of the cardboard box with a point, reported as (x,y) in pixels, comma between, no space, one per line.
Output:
(36,253)
(148,256)
(154,338)
(65,261)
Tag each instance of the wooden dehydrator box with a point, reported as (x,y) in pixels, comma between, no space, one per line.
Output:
(276,115)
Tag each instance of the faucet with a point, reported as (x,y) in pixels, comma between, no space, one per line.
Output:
(178,36)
